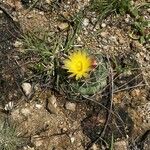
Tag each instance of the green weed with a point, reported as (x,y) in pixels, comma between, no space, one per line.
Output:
(140,25)
(106,7)
(9,139)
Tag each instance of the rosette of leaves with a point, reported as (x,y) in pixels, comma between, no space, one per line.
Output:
(86,87)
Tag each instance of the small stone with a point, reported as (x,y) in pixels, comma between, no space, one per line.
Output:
(103,25)
(48,1)
(63,26)
(103,34)
(95,147)
(17,44)
(51,105)
(9,106)
(97,26)
(93,20)
(72,139)
(70,106)
(25,112)
(27,88)
(1,11)
(41,13)
(53,101)
(120,145)
(30,16)
(127,20)
(79,39)
(28,148)
(38,106)
(86,22)
(64,129)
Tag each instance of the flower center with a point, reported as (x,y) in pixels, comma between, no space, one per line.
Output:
(79,66)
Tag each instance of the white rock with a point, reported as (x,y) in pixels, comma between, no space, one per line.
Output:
(127,20)
(103,25)
(25,111)
(95,147)
(27,88)
(103,34)
(79,39)
(1,11)
(70,106)
(17,44)
(72,139)
(38,106)
(9,106)
(63,26)
(86,22)
(53,101)
(48,1)
(52,104)
(28,148)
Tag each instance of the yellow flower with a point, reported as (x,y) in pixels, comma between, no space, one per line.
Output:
(78,64)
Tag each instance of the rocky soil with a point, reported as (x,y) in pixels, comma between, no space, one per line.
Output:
(46,119)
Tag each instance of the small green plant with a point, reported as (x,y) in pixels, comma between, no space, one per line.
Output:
(140,25)
(48,47)
(85,87)
(9,139)
(105,7)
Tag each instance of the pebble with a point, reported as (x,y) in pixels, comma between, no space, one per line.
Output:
(94,147)
(28,148)
(79,39)
(70,106)
(53,101)
(27,88)
(9,106)
(41,13)
(17,44)
(48,1)
(30,16)
(1,11)
(120,145)
(103,34)
(97,26)
(86,22)
(25,112)
(38,106)
(72,139)
(52,105)
(63,26)
(127,20)
(103,25)
(93,20)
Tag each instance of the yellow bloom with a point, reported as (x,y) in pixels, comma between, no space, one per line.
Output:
(78,64)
